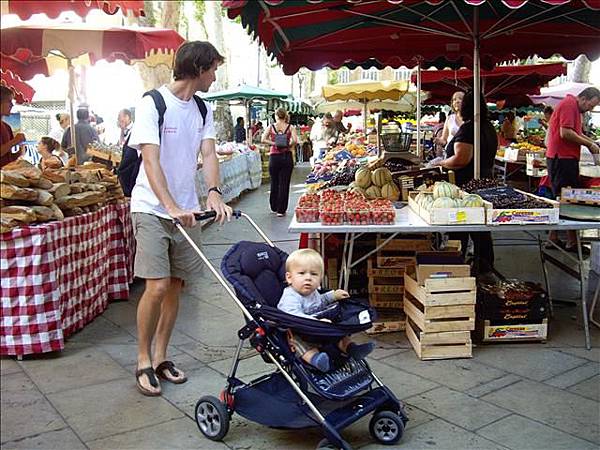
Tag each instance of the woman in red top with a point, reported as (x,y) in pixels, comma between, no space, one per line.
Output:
(7,140)
(281,137)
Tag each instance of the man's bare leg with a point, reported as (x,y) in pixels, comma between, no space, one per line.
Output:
(168,315)
(148,315)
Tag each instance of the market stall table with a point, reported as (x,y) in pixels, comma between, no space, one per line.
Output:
(408,221)
(58,276)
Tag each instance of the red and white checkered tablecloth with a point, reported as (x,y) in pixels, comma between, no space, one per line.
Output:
(58,276)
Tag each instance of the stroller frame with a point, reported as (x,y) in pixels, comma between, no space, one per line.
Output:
(214,413)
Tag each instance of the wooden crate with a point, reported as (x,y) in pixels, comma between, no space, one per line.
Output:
(388,323)
(511,333)
(373,271)
(436,319)
(449,216)
(387,301)
(587,196)
(444,345)
(385,286)
(442,291)
(394,261)
(406,245)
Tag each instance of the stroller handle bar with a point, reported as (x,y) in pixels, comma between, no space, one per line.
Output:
(211,214)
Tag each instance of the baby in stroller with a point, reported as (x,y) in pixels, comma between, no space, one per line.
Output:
(304,272)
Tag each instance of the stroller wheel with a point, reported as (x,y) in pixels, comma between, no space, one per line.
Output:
(325,444)
(212,418)
(386,427)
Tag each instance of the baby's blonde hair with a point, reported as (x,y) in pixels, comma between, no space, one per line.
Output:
(306,256)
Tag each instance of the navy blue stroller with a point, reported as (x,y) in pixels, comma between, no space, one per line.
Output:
(295,395)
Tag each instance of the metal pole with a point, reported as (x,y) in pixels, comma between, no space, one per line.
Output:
(258,67)
(365,112)
(71,69)
(419,147)
(476,96)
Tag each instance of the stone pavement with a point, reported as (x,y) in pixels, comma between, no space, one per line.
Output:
(527,396)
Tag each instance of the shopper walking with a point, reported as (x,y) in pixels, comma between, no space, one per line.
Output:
(125,123)
(454,120)
(281,137)
(239,132)
(165,190)
(85,134)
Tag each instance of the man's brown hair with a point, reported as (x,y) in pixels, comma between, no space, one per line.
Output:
(193,57)
(589,93)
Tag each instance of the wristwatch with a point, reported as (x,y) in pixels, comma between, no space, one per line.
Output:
(216,189)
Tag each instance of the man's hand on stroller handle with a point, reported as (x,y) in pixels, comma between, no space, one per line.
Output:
(340,294)
(215,202)
(184,217)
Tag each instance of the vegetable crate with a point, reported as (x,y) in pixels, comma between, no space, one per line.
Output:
(450,216)
(514,333)
(589,196)
(406,245)
(439,302)
(524,216)
(384,290)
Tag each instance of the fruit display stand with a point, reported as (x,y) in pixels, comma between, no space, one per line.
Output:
(449,216)
(524,216)
(582,196)
(409,222)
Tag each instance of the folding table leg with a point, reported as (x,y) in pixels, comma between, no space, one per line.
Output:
(584,308)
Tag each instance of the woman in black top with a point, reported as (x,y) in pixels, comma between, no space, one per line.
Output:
(239,131)
(460,159)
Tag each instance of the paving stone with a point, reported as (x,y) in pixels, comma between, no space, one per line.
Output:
(202,381)
(160,437)
(459,374)
(111,408)
(222,331)
(525,434)
(381,353)
(63,439)
(438,434)
(554,407)
(72,368)
(122,314)
(592,354)
(493,385)
(246,368)
(102,331)
(458,408)
(589,388)
(537,365)
(25,411)
(574,376)
(402,384)
(8,365)
(126,354)
(208,354)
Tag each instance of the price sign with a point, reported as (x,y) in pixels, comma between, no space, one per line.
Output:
(511,154)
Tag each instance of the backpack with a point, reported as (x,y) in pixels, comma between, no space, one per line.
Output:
(281,140)
(131,159)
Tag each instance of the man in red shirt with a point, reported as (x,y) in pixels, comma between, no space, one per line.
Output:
(565,138)
(7,140)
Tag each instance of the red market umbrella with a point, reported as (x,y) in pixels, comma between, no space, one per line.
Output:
(502,83)
(26,8)
(23,92)
(315,33)
(29,48)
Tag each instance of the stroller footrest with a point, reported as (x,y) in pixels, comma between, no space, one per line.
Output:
(343,382)
(365,404)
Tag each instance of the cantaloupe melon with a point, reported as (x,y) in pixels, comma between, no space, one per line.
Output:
(373,192)
(472,201)
(444,189)
(381,176)
(390,191)
(358,190)
(363,177)
(443,202)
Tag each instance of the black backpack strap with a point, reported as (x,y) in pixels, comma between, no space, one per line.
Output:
(159,103)
(202,107)
(287,129)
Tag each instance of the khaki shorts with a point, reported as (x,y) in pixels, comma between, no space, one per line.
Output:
(162,251)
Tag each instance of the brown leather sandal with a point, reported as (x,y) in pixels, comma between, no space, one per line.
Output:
(170,366)
(149,372)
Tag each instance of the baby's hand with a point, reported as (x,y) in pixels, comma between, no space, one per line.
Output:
(325,320)
(340,294)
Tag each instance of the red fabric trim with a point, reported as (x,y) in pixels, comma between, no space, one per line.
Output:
(23,92)
(26,8)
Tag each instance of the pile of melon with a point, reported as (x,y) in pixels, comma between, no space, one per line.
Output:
(447,195)
(375,184)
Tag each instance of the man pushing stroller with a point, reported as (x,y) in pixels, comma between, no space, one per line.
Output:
(304,272)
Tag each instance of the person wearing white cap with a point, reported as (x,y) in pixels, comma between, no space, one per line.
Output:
(53,157)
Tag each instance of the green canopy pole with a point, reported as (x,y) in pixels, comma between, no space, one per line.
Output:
(476,97)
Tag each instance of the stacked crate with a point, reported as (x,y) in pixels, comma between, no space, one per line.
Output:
(386,279)
(439,303)
(264,157)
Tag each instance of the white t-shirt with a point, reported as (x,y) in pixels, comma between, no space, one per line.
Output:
(453,126)
(182,136)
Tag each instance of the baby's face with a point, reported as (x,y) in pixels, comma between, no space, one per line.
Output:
(303,278)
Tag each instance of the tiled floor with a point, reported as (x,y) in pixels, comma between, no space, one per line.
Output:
(529,396)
